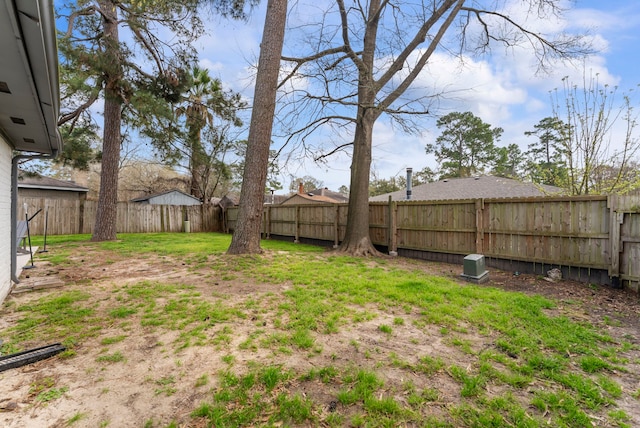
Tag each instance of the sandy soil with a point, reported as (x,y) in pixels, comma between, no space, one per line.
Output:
(131,394)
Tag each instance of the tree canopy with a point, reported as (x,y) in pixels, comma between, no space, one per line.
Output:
(545,161)
(466,146)
(198,138)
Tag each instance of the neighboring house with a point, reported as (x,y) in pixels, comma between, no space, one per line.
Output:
(29,109)
(226,201)
(471,188)
(49,188)
(275,199)
(318,196)
(170,197)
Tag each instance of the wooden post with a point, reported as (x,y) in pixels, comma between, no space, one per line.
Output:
(268,222)
(615,221)
(296,238)
(479,226)
(393,227)
(336,227)
(83,198)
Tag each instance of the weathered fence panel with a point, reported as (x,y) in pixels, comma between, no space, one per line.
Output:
(585,233)
(283,220)
(544,230)
(65,217)
(378,223)
(317,221)
(61,215)
(438,227)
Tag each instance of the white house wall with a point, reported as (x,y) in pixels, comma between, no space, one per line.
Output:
(5,219)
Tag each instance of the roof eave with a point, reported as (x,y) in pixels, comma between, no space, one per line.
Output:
(30,72)
(41,187)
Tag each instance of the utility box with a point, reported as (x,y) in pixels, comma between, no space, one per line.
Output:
(474,269)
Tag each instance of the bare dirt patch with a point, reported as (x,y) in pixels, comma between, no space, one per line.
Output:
(156,383)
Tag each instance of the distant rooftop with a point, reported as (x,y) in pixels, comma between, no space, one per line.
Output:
(485,186)
(40,182)
(166,192)
(322,195)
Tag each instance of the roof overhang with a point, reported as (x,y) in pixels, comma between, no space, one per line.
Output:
(61,188)
(29,81)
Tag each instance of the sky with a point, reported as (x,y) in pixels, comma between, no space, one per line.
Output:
(502,89)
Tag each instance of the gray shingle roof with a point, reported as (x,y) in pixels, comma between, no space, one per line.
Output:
(166,192)
(40,182)
(336,196)
(471,188)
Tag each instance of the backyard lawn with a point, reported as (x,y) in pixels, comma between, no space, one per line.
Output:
(166,330)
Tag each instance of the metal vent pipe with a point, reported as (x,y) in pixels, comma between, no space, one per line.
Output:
(409,174)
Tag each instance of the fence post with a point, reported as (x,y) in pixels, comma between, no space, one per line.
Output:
(83,198)
(336,227)
(615,221)
(268,223)
(393,227)
(479,226)
(296,238)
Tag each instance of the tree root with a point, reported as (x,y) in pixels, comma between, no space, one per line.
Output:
(361,248)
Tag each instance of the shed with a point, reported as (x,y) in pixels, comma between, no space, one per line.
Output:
(170,197)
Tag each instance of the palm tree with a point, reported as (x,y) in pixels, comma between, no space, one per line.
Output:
(197,109)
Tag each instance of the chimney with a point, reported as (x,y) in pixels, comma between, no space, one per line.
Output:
(300,188)
(409,173)
(322,191)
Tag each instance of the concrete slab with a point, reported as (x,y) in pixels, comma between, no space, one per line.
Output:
(32,284)
(23,260)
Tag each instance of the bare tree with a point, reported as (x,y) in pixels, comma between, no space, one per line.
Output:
(599,142)
(141,177)
(246,236)
(364,57)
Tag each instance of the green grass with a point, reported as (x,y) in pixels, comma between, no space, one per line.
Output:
(548,369)
(76,418)
(113,339)
(165,385)
(115,357)
(43,390)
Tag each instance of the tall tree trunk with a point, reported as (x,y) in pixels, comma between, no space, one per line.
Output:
(357,240)
(246,236)
(106,214)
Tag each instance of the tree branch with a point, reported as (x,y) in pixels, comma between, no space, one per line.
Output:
(424,57)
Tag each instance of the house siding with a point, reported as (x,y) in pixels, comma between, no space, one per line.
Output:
(173,198)
(5,219)
(50,194)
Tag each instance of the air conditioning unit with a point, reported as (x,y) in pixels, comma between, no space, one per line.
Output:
(474,269)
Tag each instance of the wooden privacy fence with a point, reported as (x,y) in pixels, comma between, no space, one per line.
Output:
(65,217)
(592,238)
